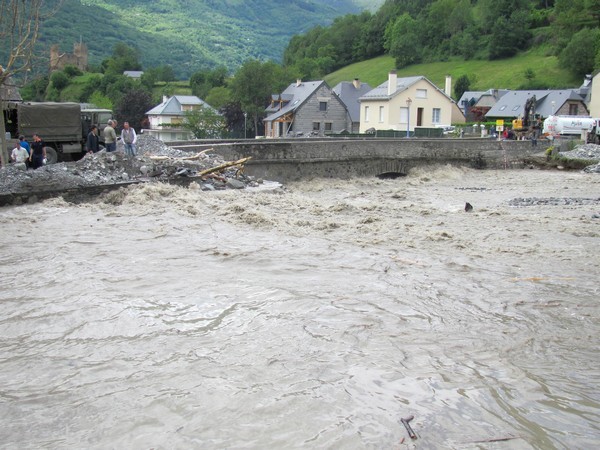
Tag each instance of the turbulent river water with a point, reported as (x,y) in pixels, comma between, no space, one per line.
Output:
(317,315)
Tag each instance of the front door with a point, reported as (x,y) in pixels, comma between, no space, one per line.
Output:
(419,117)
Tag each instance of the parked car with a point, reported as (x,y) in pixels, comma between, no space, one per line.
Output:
(447,128)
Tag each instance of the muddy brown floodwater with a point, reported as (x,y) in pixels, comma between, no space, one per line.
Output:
(317,315)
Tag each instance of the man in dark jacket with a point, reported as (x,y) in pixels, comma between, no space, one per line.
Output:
(37,156)
(92,144)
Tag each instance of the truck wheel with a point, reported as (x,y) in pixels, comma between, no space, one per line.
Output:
(51,155)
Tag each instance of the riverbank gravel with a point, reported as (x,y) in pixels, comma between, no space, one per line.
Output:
(585,152)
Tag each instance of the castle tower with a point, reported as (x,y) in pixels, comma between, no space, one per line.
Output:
(80,51)
(54,58)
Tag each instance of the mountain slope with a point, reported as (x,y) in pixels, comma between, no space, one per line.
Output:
(500,74)
(190,34)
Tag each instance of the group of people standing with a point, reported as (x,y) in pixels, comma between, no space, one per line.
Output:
(33,155)
(128,137)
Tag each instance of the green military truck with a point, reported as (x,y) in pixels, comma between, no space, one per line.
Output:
(62,126)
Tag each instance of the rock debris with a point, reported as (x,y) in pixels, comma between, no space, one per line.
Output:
(154,161)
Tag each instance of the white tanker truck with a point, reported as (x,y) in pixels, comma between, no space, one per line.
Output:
(568,125)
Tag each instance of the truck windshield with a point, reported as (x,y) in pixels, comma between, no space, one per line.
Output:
(104,117)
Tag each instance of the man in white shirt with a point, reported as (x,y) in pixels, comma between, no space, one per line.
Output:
(19,155)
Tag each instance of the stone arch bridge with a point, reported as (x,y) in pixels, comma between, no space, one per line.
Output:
(296,159)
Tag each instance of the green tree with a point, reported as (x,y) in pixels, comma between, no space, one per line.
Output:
(402,41)
(165,73)
(132,107)
(35,91)
(123,58)
(203,81)
(509,35)
(580,54)
(252,87)
(92,84)
(462,85)
(219,96)
(59,80)
(149,78)
(204,123)
(72,71)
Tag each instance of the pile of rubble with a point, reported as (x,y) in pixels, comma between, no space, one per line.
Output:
(585,152)
(154,161)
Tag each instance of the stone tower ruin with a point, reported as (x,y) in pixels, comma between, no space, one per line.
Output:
(79,57)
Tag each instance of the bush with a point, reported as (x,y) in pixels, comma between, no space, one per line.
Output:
(72,71)
(59,80)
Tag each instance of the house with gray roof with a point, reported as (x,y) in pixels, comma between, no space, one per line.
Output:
(305,108)
(166,119)
(547,103)
(350,93)
(476,104)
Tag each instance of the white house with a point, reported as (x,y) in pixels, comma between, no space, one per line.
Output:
(594,97)
(403,104)
(165,120)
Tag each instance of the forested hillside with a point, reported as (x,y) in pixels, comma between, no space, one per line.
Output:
(425,31)
(188,34)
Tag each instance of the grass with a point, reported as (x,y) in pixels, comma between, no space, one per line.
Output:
(171,88)
(73,91)
(499,74)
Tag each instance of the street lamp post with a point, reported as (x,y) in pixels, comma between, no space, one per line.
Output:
(245,126)
(408,103)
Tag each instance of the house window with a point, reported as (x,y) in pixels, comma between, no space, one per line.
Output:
(403,114)
(316,126)
(322,106)
(421,93)
(435,116)
(573,110)
(366,113)
(328,126)
(381,114)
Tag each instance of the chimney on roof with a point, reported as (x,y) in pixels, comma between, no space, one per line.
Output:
(392,82)
(448,87)
(356,83)
(165,98)
(298,82)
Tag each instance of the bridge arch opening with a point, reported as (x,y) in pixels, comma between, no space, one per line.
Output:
(390,175)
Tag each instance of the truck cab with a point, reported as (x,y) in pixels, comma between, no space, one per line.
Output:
(91,115)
